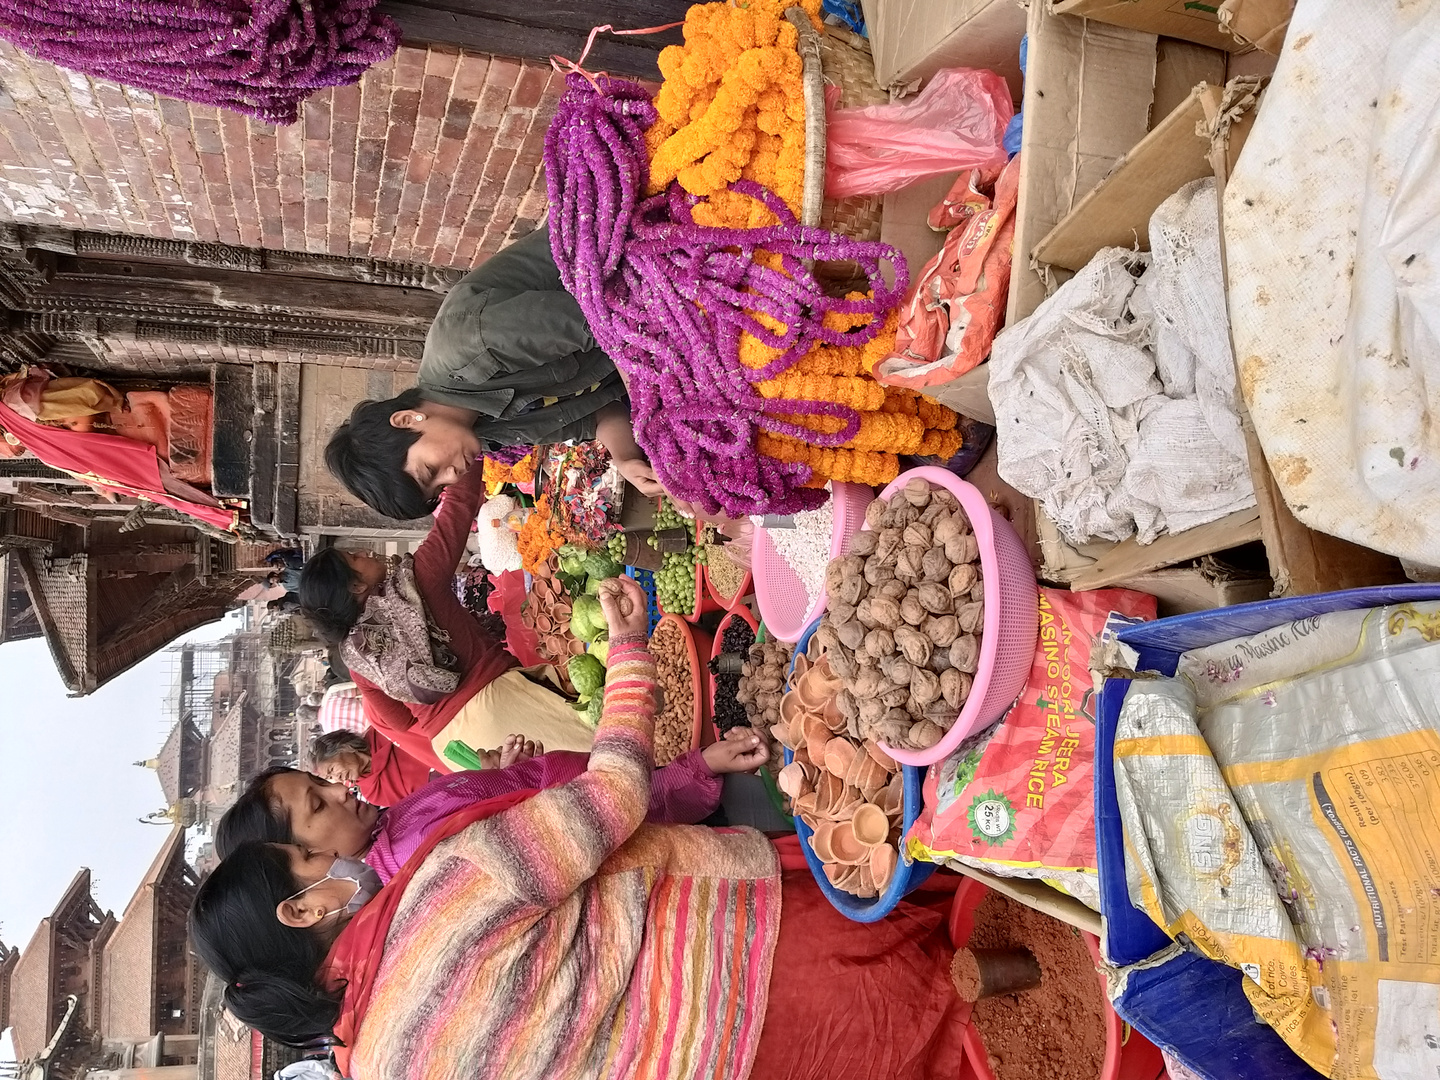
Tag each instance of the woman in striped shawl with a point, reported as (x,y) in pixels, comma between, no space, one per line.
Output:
(553,935)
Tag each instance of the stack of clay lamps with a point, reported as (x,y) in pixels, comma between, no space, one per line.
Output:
(851,794)
(547,612)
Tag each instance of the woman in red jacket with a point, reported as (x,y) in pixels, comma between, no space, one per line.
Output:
(427,672)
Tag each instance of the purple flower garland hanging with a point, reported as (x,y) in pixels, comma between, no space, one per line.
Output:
(257,57)
(668,300)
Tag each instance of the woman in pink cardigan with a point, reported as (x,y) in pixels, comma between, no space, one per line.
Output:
(553,935)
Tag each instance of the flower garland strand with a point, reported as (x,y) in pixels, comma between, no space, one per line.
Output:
(669,300)
(261,58)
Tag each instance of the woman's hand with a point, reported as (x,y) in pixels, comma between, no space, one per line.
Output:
(623,604)
(637,472)
(742,750)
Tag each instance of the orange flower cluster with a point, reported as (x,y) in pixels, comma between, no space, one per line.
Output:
(731,107)
(893,420)
(497,474)
(537,537)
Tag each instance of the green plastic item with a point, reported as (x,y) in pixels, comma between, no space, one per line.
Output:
(463,756)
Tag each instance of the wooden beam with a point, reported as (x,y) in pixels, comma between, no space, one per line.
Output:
(538,29)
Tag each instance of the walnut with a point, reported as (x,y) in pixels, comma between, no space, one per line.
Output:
(934,565)
(875,512)
(897,669)
(894,589)
(850,590)
(871,710)
(863,614)
(863,543)
(834,575)
(911,610)
(941,630)
(911,565)
(838,613)
(879,642)
(955,686)
(924,687)
(825,633)
(933,513)
(853,565)
(916,535)
(846,703)
(962,549)
(886,613)
(867,683)
(888,547)
(962,579)
(895,699)
(972,617)
(965,653)
(877,573)
(917,492)
(902,513)
(851,633)
(842,663)
(977,594)
(915,646)
(936,599)
(925,734)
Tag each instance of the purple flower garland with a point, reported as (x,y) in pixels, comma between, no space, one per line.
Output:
(257,57)
(668,300)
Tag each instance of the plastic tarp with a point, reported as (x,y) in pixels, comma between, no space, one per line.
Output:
(1332,233)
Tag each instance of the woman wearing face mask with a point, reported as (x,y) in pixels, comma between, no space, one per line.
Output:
(286,806)
(426,670)
(553,935)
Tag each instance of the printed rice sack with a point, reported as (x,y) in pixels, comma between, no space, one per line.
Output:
(1017,799)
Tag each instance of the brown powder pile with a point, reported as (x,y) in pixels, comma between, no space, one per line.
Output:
(1057,1030)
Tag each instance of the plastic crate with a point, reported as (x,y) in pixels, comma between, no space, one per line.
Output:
(646,580)
(1162,1001)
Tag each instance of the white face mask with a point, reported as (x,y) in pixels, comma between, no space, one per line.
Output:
(367,883)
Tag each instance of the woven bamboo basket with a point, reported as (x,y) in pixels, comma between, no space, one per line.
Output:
(837,58)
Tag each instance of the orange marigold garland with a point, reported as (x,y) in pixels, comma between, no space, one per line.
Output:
(538,538)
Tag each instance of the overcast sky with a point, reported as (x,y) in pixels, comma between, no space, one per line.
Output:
(69,795)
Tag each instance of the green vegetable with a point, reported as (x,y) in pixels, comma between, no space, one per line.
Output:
(601,650)
(593,709)
(573,563)
(587,621)
(601,566)
(592,586)
(587,675)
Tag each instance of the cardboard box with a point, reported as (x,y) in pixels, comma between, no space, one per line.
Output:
(1171,18)
(1116,212)
(913,39)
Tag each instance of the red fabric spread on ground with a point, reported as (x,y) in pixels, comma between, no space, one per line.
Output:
(118,464)
(860,1001)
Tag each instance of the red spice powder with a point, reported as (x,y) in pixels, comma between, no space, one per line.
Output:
(1057,1030)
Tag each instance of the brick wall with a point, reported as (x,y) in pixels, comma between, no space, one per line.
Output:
(434,157)
(170,359)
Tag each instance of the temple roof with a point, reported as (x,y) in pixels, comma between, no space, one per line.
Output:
(132,955)
(34,977)
(178,765)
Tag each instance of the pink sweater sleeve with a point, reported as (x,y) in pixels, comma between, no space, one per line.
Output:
(685,792)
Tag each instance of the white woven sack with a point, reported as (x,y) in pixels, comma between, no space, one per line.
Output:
(1332,230)
(1114,401)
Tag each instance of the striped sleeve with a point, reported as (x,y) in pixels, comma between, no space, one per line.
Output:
(545,848)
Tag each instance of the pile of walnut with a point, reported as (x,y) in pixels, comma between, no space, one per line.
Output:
(902,629)
(762,684)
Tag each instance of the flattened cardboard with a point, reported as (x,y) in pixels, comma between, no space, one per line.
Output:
(1117,213)
(1170,18)
(1261,23)
(1180,590)
(913,39)
(1087,102)
(903,220)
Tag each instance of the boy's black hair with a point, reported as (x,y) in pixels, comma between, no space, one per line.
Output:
(367,455)
(325,596)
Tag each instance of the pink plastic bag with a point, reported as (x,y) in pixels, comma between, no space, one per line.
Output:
(956,122)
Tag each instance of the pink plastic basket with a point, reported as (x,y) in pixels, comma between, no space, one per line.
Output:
(1012,616)
(779,593)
